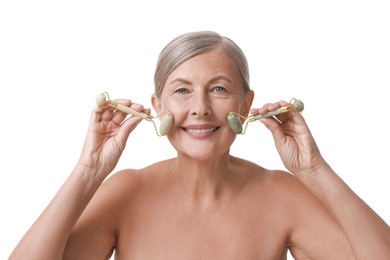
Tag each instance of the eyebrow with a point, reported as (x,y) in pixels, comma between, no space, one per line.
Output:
(221,77)
(180,80)
(216,78)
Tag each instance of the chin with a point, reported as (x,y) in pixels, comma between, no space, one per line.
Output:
(202,155)
(204,147)
(202,151)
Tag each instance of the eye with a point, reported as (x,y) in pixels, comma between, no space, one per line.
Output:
(219,89)
(181,91)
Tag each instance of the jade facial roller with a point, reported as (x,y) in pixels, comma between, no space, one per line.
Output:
(234,119)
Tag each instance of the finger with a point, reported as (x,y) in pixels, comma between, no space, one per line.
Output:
(271,123)
(126,128)
(130,124)
(274,124)
(107,114)
(137,107)
(107,110)
(274,107)
(287,124)
(262,110)
(278,104)
(283,118)
(276,130)
(119,116)
(268,107)
(147,111)
(292,117)
(98,113)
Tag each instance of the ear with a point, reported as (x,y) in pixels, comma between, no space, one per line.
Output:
(250,95)
(156,104)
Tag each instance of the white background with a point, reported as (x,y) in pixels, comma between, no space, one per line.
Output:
(55,57)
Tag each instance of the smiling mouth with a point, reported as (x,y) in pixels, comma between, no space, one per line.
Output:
(200,131)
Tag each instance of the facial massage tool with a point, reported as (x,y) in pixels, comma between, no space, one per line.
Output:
(166,121)
(234,119)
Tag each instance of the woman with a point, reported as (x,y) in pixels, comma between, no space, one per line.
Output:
(204,203)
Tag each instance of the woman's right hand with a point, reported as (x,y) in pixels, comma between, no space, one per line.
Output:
(107,135)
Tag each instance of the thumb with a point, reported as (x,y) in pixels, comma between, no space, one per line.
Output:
(126,128)
(276,130)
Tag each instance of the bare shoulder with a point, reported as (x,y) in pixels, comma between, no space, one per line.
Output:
(131,181)
(282,191)
(96,232)
(123,187)
(272,193)
(130,190)
(312,232)
(275,181)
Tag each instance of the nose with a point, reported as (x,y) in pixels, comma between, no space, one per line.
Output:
(200,105)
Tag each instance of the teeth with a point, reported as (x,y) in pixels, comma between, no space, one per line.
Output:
(201,131)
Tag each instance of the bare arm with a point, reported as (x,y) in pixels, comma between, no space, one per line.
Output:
(47,237)
(105,142)
(313,231)
(95,235)
(367,233)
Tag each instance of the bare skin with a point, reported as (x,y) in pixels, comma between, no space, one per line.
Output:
(255,214)
(204,204)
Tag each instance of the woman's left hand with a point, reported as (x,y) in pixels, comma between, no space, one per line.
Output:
(293,139)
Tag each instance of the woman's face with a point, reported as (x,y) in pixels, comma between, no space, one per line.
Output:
(200,93)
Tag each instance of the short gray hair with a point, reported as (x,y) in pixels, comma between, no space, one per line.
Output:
(191,44)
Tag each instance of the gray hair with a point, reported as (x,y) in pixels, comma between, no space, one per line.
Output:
(191,44)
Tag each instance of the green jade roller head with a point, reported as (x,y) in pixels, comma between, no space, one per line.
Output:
(234,119)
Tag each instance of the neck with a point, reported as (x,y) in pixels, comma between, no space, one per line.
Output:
(203,183)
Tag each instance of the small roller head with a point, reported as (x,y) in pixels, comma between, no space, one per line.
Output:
(298,104)
(101,99)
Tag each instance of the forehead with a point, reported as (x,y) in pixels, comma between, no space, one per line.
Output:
(208,64)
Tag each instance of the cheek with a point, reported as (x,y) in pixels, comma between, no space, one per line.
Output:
(224,107)
(175,108)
